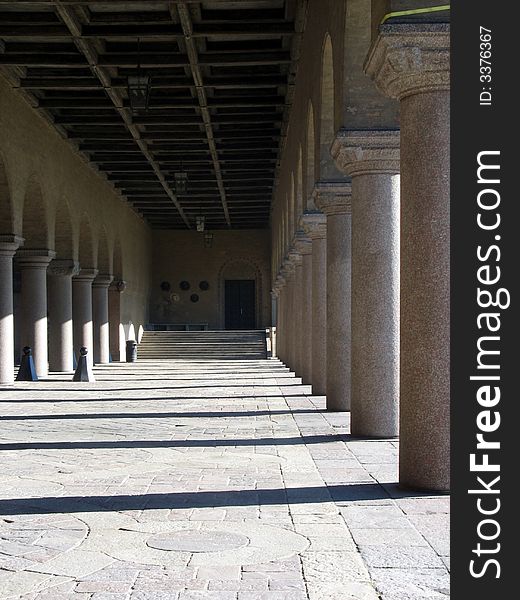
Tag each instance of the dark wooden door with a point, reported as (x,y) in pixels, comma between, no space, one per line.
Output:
(240,304)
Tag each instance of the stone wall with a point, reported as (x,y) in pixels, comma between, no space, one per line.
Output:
(51,197)
(181,256)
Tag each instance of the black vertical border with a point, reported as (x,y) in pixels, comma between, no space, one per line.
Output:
(476,128)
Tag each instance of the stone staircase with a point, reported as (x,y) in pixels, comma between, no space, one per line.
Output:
(203,345)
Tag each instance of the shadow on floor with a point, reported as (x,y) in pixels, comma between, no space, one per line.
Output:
(156,415)
(208,443)
(178,500)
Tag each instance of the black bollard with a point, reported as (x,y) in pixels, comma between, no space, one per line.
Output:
(27,372)
(131,351)
(84,370)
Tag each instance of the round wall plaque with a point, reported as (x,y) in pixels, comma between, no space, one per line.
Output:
(184,285)
(165,286)
(194,297)
(204,285)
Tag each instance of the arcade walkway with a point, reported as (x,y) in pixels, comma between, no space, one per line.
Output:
(211,481)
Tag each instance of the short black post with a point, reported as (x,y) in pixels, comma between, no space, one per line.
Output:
(84,370)
(131,351)
(27,372)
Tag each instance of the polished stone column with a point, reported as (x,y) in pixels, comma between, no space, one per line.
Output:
(117,340)
(100,318)
(59,296)
(296,311)
(303,245)
(333,199)
(82,311)
(288,272)
(274,321)
(33,265)
(8,246)
(282,330)
(412,63)
(315,225)
(371,158)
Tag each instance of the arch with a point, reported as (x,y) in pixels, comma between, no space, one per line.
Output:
(86,255)
(63,231)
(104,254)
(326,125)
(310,163)
(35,224)
(6,211)
(240,268)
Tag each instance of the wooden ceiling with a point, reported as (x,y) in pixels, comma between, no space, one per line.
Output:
(222,77)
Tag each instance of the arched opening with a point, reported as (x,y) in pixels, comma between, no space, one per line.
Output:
(310,174)
(327,168)
(63,231)
(35,225)
(86,255)
(6,214)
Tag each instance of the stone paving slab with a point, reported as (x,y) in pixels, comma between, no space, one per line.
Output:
(205,481)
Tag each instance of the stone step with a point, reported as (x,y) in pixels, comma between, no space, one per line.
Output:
(203,345)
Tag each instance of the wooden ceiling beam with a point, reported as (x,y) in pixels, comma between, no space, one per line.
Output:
(69,17)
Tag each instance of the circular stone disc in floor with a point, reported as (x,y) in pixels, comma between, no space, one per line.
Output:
(198,541)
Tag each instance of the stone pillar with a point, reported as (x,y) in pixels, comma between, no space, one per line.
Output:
(274,321)
(303,246)
(59,295)
(289,313)
(333,199)
(100,319)
(8,246)
(412,63)
(33,266)
(281,328)
(315,225)
(82,311)
(114,319)
(371,158)
(296,311)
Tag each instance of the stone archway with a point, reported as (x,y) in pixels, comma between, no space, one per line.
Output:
(237,269)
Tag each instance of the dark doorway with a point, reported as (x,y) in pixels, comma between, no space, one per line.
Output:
(240,304)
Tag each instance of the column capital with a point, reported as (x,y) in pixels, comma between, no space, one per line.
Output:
(9,244)
(63,267)
(34,258)
(86,275)
(410,59)
(118,285)
(333,197)
(366,152)
(295,258)
(102,280)
(302,243)
(287,269)
(275,292)
(314,224)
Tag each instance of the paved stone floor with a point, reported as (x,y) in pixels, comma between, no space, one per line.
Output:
(214,481)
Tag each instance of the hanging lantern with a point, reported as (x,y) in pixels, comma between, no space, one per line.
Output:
(208,239)
(138,91)
(181,182)
(138,85)
(200,222)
